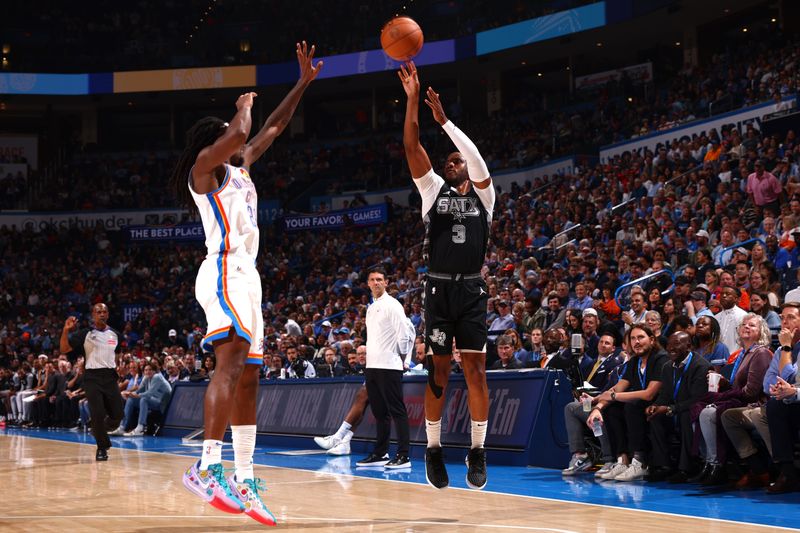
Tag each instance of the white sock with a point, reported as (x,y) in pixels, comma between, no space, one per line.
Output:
(244,444)
(479,433)
(342,431)
(212,453)
(347,436)
(434,431)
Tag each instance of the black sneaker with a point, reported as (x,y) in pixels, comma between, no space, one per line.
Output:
(476,468)
(435,471)
(399,461)
(101,455)
(374,460)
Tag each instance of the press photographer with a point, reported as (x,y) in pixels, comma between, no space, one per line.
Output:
(298,366)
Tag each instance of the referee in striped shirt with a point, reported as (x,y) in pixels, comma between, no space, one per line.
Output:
(100,345)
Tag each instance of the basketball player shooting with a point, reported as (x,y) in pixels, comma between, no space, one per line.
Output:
(212,177)
(457,211)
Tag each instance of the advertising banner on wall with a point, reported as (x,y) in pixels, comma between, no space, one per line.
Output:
(192,231)
(361,216)
(738,119)
(108,220)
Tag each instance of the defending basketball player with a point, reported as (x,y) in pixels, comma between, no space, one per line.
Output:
(457,211)
(215,163)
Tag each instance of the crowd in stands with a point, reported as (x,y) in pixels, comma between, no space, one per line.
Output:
(526,132)
(713,222)
(152,35)
(13,182)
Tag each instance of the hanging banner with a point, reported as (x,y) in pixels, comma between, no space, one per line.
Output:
(361,216)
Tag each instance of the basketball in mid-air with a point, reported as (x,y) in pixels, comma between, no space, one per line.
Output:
(401,38)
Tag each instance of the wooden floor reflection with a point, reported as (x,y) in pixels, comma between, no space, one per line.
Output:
(57,486)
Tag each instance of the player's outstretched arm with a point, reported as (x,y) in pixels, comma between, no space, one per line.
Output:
(476,166)
(417,157)
(225,146)
(279,119)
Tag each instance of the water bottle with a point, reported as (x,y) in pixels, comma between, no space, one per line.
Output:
(597,428)
(283,373)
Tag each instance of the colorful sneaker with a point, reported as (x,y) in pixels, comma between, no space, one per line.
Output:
(247,493)
(211,486)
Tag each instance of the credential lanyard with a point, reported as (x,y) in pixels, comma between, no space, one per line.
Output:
(683,372)
(642,375)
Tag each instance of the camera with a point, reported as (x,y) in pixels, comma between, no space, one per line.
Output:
(299,367)
(576,345)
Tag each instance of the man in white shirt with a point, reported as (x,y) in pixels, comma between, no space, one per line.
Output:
(390,342)
(730,317)
(638,310)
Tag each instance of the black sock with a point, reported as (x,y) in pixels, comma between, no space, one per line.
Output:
(788,470)
(758,464)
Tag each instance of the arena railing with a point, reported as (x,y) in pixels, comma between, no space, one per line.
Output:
(621,295)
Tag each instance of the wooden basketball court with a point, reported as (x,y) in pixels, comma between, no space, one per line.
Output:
(50,485)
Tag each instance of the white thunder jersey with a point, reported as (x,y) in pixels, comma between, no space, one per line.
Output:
(229,216)
(228,285)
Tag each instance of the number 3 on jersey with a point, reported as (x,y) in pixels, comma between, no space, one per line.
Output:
(459,233)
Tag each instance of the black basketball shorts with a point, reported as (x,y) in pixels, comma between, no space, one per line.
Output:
(455,309)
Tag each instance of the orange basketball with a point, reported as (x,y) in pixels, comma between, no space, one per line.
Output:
(401,38)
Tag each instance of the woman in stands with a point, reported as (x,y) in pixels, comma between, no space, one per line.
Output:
(760,305)
(706,340)
(744,386)
(212,177)
(668,314)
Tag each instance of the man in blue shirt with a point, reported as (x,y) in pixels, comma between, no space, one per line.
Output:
(152,394)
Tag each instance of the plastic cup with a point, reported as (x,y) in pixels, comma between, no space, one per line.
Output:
(713,381)
(587,404)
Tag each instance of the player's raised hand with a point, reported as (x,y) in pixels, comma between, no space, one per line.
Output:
(70,323)
(245,100)
(436,106)
(408,75)
(305,58)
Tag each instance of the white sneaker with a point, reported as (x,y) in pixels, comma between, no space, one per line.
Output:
(138,431)
(342,448)
(117,432)
(615,470)
(604,469)
(326,443)
(635,472)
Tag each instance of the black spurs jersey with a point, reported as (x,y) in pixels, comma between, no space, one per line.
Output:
(456,227)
